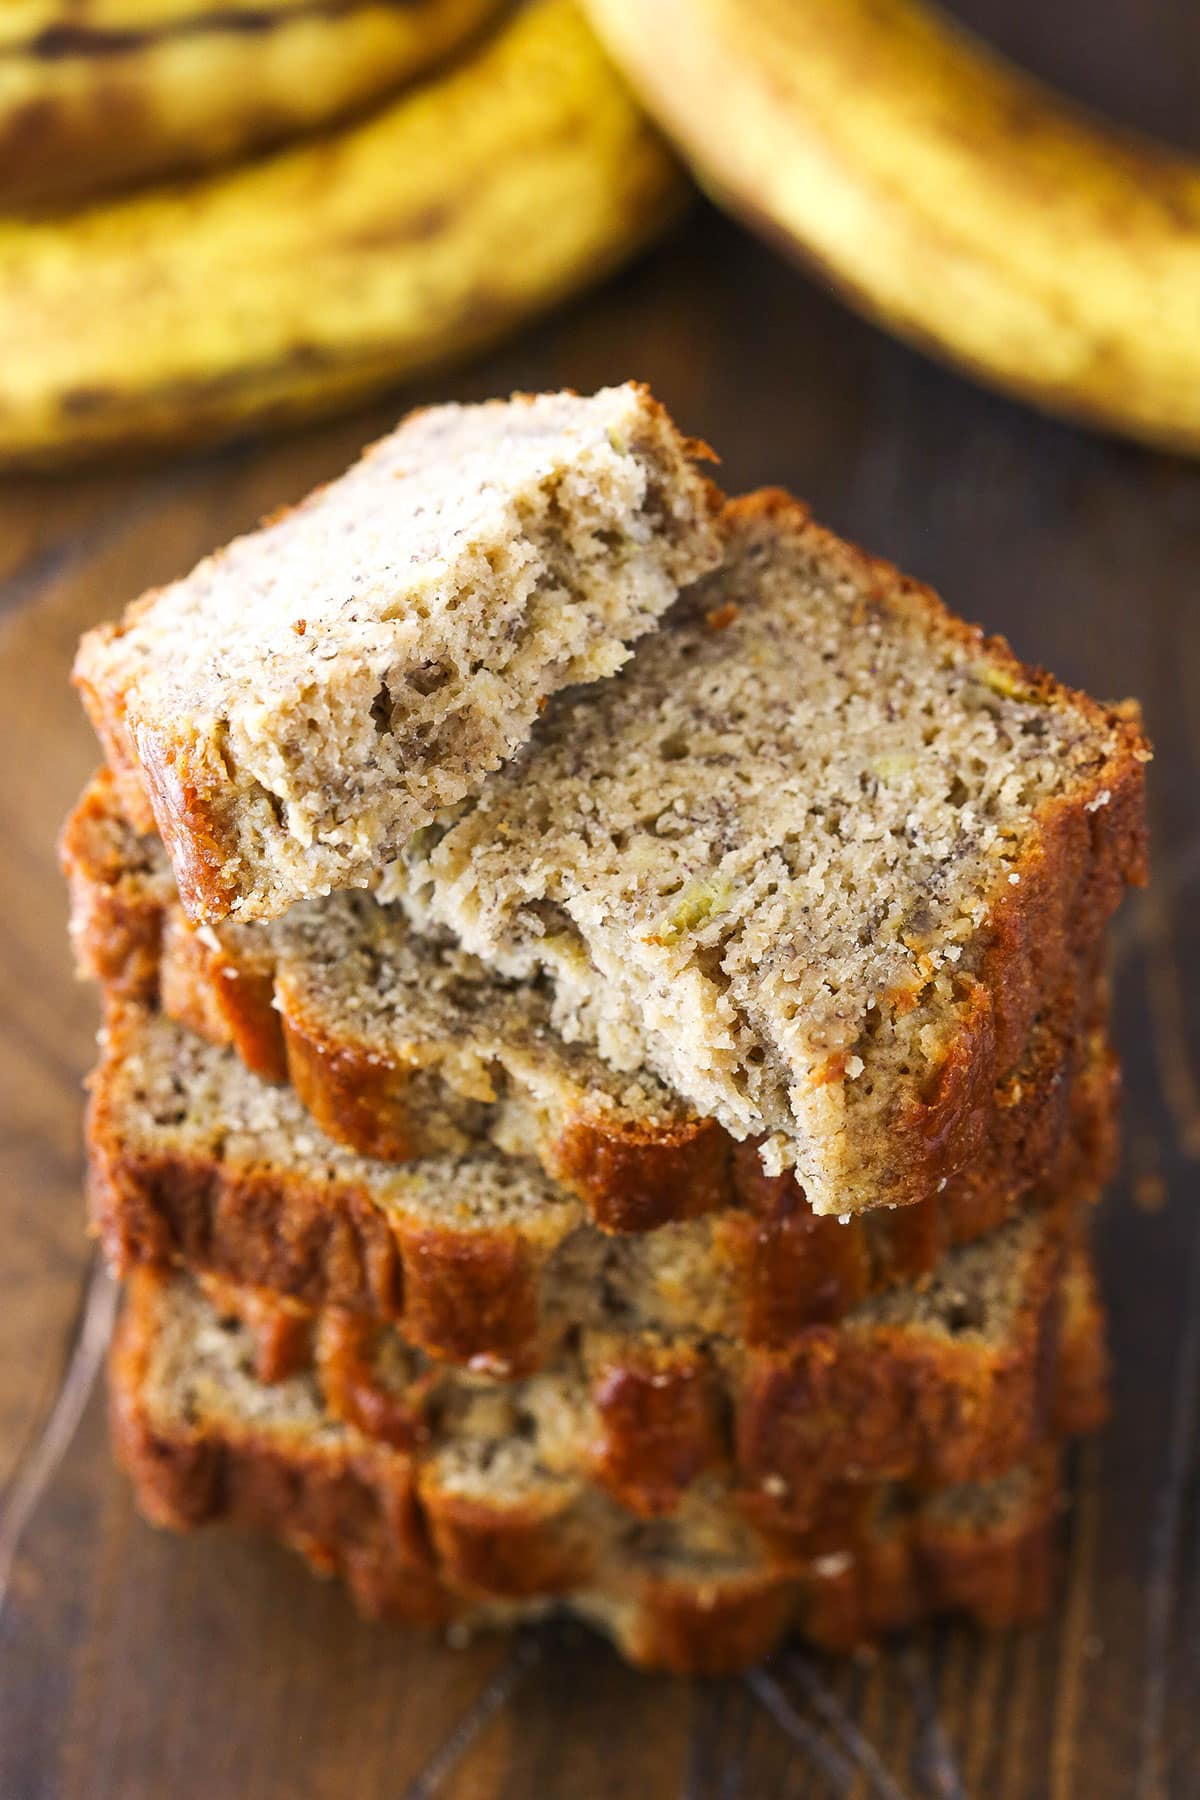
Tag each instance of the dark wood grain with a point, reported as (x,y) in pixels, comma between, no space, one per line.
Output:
(136,1665)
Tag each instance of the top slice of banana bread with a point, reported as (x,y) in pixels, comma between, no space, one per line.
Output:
(293,709)
(815,858)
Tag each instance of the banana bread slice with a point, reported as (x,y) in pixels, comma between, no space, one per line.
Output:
(477,1254)
(816,859)
(307,697)
(388,1037)
(204,1440)
(654,1420)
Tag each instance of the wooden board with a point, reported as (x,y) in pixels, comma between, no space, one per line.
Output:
(132,1664)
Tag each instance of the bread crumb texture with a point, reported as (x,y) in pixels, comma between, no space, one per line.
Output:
(815,868)
(293,709)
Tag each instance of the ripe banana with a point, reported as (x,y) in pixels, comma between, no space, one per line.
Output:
(944,193)
(93,96)
(285,288)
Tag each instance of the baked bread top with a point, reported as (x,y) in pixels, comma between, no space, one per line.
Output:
(815,859)
(295,707)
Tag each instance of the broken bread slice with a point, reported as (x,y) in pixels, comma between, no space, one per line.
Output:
(293,709)
(477,1254)
(815,859)
(388,1037)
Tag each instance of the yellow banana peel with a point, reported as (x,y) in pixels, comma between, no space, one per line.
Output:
(287,287)
(947,195)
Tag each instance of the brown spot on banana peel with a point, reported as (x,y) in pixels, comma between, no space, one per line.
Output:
(104,108)
(431,222)
(55,42)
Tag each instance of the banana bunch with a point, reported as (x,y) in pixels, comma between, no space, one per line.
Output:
(287,286)
(947,195)
(107,92)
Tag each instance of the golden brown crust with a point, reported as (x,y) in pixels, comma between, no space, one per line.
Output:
(661,1419)
(650,1417)
(410,1549)
(474,1298)
(512,1552)
(104,704)
(637,1177)
(898,1405)
(314,1497)
(794,1268)
(999,1579)
(1048,920)
(362,1104)
(658,1420)
(661,1423)
(1068,891)
(479,1292)
(185,796)
(284,1333)
(118,903)
(226,998)
(261,1230)
(344,1361)
(705,1625)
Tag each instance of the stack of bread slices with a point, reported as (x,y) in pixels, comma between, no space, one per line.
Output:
(605,1071)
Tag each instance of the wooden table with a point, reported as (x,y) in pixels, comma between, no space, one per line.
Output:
(132,1664)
